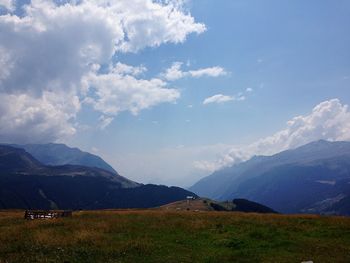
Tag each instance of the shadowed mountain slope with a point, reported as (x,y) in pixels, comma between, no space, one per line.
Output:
(61,154)
(26,183)
(314,178)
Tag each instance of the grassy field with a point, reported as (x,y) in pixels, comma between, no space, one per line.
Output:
(159,236)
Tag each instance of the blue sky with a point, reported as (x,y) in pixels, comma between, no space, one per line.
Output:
(282,58)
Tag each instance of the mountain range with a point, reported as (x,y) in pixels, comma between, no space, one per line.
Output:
(61,154)
(314,178)
(27,183)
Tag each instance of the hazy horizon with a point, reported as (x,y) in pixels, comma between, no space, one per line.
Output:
(169,91)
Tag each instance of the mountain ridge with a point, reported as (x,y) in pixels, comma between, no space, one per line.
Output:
(61,154)
(27,184)
(266,174)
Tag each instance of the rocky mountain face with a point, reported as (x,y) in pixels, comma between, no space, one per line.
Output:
(314,178)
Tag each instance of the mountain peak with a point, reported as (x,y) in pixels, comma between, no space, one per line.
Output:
(15,159)
(61,154)
(314,167)
(320,148)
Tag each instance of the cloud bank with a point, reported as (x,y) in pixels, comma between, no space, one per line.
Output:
(25,118)
(329,120)
(57,57)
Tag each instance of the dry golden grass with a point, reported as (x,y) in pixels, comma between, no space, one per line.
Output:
(163,236)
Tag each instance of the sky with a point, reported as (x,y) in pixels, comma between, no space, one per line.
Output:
(169,91)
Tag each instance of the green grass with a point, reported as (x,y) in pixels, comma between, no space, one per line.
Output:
(157,236)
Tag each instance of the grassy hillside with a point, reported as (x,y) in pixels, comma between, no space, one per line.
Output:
(205,204)
(160,236)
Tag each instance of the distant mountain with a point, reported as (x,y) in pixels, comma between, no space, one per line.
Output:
(13,160)
(61,154)
(28,184)
(314,178)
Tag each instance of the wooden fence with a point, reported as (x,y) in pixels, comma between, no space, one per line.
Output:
(43,214)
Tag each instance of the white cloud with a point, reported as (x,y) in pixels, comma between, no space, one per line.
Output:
(205,166)
(240,98)
(24,118)
(148,23)
(249,90)
(123,69)
(52,47)
(175,72)
(220,98)
(114,93)
(105,121)
(209,72)
(55,48)
(6,65)
(7,4)
(329,120)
